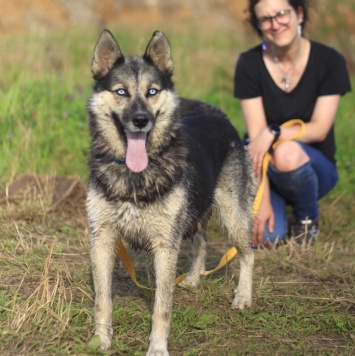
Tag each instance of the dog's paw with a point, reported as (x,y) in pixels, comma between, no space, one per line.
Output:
(157,349)
(190,282)
(157,352)
(99,342)
(241,301)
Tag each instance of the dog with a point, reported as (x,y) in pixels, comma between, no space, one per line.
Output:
(158,165)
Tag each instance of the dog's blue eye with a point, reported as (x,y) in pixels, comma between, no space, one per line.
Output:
(121,92)
(152,92)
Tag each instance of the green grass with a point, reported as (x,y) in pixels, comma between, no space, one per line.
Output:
(303,298)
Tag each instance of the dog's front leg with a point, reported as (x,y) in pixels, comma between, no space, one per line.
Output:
(165,260)
(102,255)
(243,293)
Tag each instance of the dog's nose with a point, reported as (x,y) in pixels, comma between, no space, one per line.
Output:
(140,120)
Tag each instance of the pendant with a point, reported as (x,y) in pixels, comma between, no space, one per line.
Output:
(286,81)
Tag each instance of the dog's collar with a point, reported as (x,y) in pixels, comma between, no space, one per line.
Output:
(118,161)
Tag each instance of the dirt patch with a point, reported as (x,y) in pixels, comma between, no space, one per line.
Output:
(64,194)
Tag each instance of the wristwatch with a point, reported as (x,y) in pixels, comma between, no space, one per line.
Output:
(276,131)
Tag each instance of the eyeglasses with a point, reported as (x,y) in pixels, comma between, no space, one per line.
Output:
(282,18)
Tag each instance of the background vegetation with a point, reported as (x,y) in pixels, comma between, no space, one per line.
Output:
(303,298)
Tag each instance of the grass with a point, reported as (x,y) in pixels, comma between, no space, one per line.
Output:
(303,298)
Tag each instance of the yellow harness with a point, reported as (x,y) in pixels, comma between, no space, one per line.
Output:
(229,255)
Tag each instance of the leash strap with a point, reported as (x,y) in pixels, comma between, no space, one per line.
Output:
(229,255)
(128,263)
(267,158)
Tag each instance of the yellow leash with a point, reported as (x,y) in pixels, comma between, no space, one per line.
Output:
(267,158)
(128,263)
(229,255)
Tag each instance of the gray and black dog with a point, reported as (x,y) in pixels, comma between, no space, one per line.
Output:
(158,165)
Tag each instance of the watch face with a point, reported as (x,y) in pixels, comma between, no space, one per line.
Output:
(275,129)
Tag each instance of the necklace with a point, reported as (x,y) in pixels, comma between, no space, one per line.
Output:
(286,75)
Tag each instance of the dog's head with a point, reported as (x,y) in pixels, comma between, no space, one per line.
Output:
(133,97)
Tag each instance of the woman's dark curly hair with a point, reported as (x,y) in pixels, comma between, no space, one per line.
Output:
(294,3)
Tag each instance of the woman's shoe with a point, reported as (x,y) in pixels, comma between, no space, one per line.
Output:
(305,230)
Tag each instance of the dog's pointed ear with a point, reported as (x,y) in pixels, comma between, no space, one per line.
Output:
(158,52)
(106,53)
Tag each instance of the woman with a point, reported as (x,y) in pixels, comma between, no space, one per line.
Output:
(288,77)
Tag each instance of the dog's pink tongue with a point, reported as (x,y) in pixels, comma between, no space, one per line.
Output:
(136,156)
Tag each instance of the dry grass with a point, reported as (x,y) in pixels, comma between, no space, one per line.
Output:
(303,295)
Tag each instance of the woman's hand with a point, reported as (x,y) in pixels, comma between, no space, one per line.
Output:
(258,148)
(265,216)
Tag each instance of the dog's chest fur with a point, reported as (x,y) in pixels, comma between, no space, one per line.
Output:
(143,226)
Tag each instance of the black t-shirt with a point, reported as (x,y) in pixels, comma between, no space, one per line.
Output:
(325,74)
